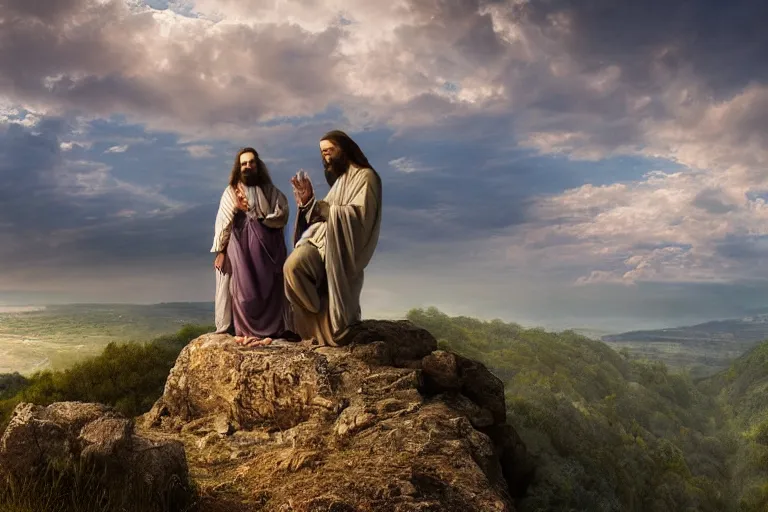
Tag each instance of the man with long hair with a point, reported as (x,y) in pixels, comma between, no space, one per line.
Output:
(334,240)
(250,252)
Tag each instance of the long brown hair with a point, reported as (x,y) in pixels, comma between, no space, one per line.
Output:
(261,168)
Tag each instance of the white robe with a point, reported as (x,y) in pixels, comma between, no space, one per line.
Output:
(346,237)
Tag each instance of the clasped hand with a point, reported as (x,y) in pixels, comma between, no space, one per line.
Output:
(302,188)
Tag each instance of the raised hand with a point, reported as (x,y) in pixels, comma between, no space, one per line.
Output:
(296,185)
(309,190)
(302,188)
(242,201)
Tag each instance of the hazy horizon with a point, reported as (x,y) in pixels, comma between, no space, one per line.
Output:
(608,326)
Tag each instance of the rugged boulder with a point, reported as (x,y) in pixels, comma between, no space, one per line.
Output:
(84,440)
(386,423)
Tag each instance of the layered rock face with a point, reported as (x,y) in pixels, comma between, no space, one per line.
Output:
(387,423)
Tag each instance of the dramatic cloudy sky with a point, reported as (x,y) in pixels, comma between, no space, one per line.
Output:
(553,162)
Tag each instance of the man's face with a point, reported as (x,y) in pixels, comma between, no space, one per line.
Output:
(247,162)
(328,150)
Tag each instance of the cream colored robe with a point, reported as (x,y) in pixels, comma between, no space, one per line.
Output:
(267,203)
(346,237)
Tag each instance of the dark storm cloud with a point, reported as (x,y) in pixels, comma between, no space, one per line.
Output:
(56,219)
(723,42)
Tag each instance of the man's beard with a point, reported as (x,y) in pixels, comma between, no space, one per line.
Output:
(253,178)
(335,168)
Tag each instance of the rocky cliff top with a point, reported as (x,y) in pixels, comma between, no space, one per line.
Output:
(387,423)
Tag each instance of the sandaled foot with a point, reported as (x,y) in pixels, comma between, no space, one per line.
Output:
(247,341)
(258,342)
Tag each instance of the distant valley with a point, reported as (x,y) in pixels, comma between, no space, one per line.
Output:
(703,348)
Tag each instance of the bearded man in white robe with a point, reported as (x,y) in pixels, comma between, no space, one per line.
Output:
(250,255)
(334,240)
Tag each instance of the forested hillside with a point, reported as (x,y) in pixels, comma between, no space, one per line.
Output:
(609,433)
(742,394)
